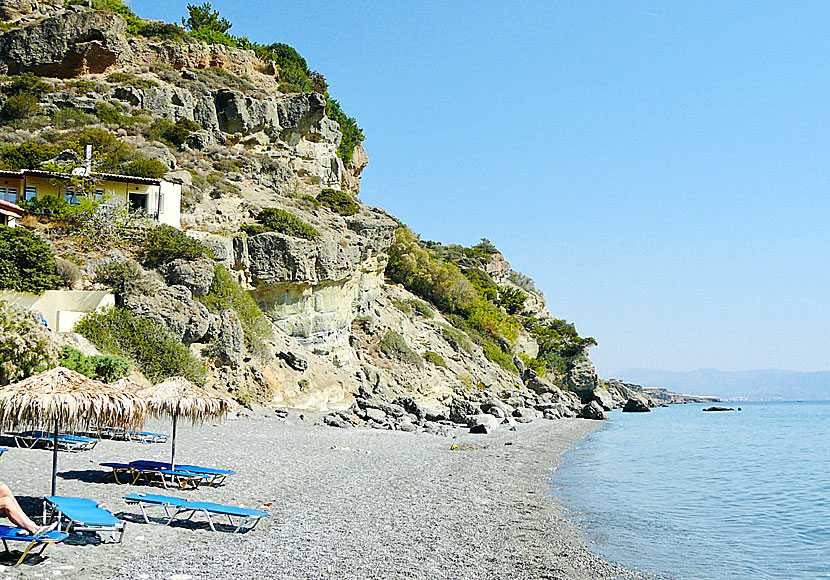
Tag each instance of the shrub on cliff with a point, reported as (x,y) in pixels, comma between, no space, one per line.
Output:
(226,293)
(25,346)
(158,354)
(26,156)
(26,262)
(20,106)
(272,219)
(144,167)
(394,345)
(102,368)
(440,282)
(165,243)
(338,201)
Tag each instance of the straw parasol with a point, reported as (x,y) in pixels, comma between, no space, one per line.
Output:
(178,396)
(62,398)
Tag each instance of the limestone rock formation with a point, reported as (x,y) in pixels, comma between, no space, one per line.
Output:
(66,45)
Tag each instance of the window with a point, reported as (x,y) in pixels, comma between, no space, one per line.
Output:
(8,194)
(71,196)
(99,195)
(30,193)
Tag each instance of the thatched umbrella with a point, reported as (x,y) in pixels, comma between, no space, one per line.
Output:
(63,398)
(178,396)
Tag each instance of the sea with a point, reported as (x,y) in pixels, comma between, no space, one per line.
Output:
(692,495)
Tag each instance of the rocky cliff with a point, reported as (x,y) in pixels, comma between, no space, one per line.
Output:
(344,337)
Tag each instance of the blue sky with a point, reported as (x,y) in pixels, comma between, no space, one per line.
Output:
(659,168)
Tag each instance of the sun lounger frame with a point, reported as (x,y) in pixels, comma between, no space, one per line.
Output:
(217,476)
(246,522)
(182,479)
(71,443)
(8,533)
(51,510)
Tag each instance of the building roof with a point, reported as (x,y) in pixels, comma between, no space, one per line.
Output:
(57,175)
(11,209)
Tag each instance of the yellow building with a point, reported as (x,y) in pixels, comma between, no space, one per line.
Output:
(159,199)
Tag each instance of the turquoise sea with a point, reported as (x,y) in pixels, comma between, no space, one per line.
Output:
(690,495)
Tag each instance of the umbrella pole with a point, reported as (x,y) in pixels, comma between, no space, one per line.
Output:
(55,458)
(173,454)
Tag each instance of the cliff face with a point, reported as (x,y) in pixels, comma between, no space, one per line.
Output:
(340,329)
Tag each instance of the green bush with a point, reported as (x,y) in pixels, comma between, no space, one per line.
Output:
(352,134)
(71,118)
(134,23)
(338,201)
(68,272)
(435,359)
(456,339)
(163,30)
(402,306)
(277,220)
(20,106)
(393,345)
(157,353)
(165,243)
(26,262)
(511,299)
(26,156)
(26,82)
(118,273)
(226,293)
(535,364)
(174,134)
(144,167)
(433,279)
(103,368)
(25,344)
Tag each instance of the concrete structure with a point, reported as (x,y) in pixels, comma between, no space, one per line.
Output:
(159,199)
(61,309)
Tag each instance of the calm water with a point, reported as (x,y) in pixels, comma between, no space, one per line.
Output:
(693,495)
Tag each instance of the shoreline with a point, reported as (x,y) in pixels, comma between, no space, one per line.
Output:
(347,503)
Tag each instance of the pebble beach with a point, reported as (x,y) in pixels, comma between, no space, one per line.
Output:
(343,503)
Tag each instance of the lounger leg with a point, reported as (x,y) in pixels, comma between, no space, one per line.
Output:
(31,545)
(209,519)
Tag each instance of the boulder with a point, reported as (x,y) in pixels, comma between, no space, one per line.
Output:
(412,407)
(603,397)
(196,275)
(636,405)
(172,307)
(718,409)
(375,414)
(66,45)
(592,410)
(582,377)
(525,414)
(295,361)
(460,409)
(482,423)
(228,337)
(14,9)
(335,420)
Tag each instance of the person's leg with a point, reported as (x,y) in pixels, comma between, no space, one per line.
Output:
(12,510)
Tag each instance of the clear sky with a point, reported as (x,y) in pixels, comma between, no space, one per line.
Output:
(659,168)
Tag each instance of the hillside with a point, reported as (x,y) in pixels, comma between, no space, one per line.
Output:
(285,290)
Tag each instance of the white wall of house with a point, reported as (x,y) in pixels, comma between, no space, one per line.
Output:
(170,204)
(61,308)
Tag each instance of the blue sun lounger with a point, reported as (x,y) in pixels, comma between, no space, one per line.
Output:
(8,534)
(82,515)
(2,450)
(248,518)
(136,472)
(65,442)
(217,476)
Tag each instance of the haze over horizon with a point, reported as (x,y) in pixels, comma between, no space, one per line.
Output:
(659,169)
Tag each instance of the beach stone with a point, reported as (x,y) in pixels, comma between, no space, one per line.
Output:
(524,414)
(482,423)
(375,414)
(406,425)
(412,407)
(384,406)
(335,420)
(460,409)
(592,410)
(635,405)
